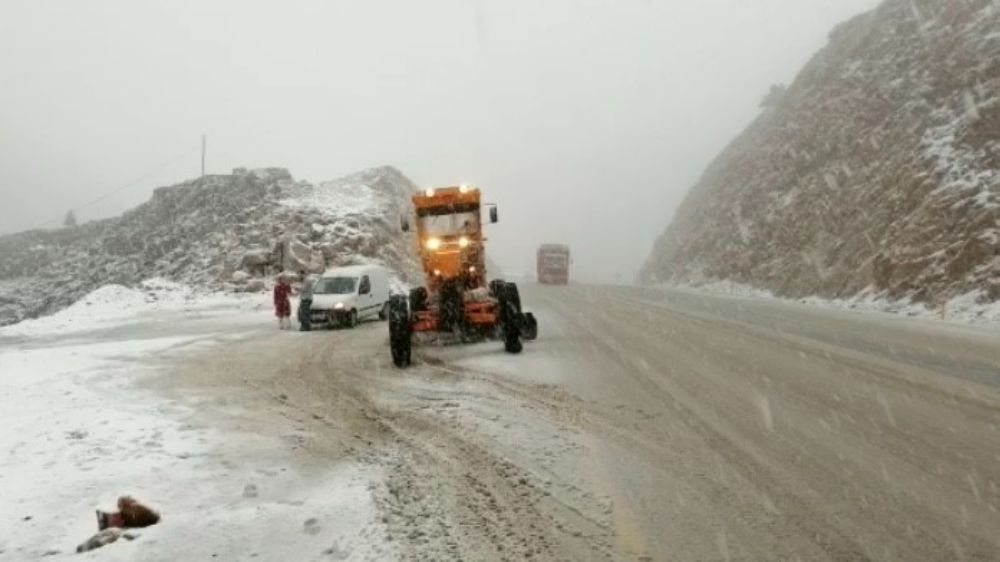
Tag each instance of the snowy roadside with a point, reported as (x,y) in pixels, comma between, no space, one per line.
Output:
(114,305)
(963,309)
(78,430)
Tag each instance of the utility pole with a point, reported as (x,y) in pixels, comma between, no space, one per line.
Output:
(203,155)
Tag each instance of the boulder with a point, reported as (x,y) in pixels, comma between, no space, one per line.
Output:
(257,257)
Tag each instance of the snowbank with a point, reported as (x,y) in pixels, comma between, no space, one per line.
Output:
(77,431)
(115,304)
(964,309)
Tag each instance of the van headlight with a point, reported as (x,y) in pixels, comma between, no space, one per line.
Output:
(433,243)
(339,306)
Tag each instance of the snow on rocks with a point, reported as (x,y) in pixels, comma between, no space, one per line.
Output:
(880,168)
(222,232)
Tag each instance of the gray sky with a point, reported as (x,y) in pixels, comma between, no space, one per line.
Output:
(587,121)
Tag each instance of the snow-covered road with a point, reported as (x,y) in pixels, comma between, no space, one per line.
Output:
(642,425)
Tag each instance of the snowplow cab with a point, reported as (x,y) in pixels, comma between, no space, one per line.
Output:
(456,297)
(450,233)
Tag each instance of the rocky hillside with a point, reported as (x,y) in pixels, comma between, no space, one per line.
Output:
(876,172)
(221,232)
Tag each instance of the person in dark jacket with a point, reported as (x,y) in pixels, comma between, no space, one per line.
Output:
(305,302)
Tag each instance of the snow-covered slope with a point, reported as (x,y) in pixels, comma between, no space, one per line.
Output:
(221,232)
(876,173)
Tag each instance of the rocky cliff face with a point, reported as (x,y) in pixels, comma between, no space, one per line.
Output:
(225,232)
(877,171)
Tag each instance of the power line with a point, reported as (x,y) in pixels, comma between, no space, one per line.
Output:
(132,183)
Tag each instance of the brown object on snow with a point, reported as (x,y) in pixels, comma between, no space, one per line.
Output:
(135,514)
(130,514)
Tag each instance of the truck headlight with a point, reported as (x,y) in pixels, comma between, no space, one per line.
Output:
(463,242)
(429,192)
(433,243)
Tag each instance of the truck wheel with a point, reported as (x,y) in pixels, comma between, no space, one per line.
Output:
(418,299)
(514,295)
(529,329)
(400,351)
(508,320)
(495,287)
(512,339)
(399,331)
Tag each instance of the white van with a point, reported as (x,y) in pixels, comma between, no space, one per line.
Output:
(344,296)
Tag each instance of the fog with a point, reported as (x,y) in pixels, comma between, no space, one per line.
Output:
(586,121)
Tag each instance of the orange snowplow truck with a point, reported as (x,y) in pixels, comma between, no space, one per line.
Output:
(456,297)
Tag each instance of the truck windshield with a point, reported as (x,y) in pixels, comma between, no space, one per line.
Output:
(453,224)
(335,286)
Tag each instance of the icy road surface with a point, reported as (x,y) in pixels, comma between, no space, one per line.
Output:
(642,425)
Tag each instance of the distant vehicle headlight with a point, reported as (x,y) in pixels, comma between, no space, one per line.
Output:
(339,305)
(463,242)
(433,243)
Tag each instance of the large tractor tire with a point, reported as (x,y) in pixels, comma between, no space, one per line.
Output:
(529,327)
(400,331)
(418,299)
(496,286)
(515,296)
(509,325)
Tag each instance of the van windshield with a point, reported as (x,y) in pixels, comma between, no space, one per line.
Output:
(335,286)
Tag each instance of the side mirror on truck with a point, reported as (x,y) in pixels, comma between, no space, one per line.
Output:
(494,217)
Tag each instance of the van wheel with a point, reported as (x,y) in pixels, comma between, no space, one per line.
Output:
(351,320)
